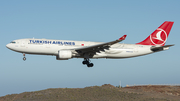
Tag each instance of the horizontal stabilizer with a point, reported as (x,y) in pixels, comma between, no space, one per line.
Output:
(156,49)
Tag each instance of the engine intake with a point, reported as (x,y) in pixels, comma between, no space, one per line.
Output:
(64,55)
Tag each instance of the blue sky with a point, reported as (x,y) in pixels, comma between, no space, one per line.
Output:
(82,20)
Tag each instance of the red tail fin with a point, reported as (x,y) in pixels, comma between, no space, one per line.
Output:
(159,36)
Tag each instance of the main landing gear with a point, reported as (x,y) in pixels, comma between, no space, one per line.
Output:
(24,58)
(87,62)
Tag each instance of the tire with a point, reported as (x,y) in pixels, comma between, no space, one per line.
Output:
(90,65)
(24,58)
(85,62)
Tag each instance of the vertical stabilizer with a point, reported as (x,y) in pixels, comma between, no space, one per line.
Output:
(159,36)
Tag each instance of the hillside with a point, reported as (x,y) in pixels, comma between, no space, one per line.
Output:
(105,92)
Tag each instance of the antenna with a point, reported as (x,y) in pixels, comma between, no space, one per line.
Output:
(120,84)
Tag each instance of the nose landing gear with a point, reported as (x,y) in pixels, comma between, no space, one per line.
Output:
(24,58)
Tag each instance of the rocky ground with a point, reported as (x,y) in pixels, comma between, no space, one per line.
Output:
(105,92)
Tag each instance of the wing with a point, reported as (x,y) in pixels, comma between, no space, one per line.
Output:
(99,47)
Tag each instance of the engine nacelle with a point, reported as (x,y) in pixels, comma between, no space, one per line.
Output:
(64,55)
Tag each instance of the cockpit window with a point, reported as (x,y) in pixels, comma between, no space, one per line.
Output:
(12,42)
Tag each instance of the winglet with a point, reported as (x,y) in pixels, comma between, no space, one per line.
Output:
(123,37)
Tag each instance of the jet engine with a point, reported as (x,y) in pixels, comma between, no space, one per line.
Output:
(64,55)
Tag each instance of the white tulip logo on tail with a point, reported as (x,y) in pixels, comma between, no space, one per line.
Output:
(159,37)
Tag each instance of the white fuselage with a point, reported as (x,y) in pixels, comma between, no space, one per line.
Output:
(51,47)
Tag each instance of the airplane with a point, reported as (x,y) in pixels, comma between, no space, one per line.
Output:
(67,49)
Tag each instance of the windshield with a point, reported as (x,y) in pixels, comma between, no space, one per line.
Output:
(12,42)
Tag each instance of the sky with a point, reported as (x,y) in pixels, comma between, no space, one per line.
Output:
(86,20)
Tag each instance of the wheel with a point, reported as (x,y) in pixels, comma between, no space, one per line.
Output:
(85,62)
(90,65)
(24,58)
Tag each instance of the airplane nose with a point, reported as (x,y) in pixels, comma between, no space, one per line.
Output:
(7,45)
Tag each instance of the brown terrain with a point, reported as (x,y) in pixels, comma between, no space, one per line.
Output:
(105,92)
